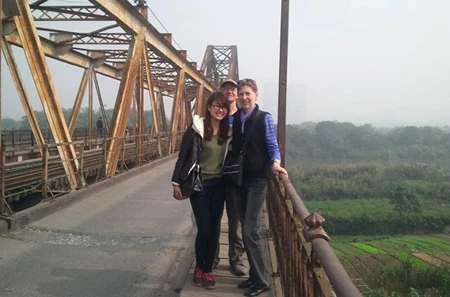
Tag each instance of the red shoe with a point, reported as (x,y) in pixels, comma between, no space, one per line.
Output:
(197,280)
(209,282)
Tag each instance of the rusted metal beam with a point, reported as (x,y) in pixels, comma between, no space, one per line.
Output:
(200,104)
(282,81)
(123,104)
(102,106)
(220,63)
(162,111)
(42,79)
(79,99)
(23,96)
(69,13)
(90,109)
(133,21)
(140,110)
(73,57)
(234,65)
(1,140)
(188,115)
(151,93)
(176,107)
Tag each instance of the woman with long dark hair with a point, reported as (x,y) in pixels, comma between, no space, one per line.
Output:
(204,144)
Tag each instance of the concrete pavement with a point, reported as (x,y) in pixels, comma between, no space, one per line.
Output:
(123,237)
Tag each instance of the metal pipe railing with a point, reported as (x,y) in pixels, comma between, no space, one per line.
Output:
(37,174)
(307,253)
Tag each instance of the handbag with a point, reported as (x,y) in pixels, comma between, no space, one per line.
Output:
(233,167)
(192,183)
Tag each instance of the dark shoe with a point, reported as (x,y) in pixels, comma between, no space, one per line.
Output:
(245,284)
(209,282)
(238,269)
(197,280)
(255,291)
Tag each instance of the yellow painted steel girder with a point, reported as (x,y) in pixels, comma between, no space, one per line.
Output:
(123,104)
(162,111)
(47,94)
(75,58)
(100,101)
(79,99)
(133,21)
(176,107)
(9,57)
(200,101)
(151,93)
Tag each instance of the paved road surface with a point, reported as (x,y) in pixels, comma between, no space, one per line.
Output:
(127,239)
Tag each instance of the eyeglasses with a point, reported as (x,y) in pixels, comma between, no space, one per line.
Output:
(218,107)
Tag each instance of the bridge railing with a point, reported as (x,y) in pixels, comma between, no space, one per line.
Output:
(307,266)
(41,170)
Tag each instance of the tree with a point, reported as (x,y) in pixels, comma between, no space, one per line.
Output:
(405,200)
(9,123)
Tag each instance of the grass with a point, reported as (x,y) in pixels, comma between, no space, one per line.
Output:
(374,207)
(367,248)
(352,207)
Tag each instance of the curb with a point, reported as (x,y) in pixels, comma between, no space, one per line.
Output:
(45,208)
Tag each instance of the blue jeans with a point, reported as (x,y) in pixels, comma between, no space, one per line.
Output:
(207,206)
(249,201)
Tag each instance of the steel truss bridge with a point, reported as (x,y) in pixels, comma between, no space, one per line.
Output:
(122,45)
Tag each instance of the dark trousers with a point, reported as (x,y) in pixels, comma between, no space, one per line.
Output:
(235,244)
(207,206)
(249,200)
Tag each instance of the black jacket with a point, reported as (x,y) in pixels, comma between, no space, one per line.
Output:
(188,155)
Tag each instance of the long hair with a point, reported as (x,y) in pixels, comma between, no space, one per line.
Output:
(221,100)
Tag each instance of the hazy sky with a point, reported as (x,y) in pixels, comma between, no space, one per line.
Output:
(385,62)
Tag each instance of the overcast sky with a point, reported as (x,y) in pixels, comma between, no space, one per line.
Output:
(385,62)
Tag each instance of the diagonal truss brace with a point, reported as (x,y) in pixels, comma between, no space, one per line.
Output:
(47,94)
(123,104)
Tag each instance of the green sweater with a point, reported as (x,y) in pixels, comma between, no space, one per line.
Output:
(211,158)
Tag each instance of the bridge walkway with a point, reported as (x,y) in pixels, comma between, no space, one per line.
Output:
(124,236)
(226,282)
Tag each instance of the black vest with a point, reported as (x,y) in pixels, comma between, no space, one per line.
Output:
(257,160)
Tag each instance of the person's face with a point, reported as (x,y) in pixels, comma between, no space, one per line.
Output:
(217,111)
(247,97)
(230,92)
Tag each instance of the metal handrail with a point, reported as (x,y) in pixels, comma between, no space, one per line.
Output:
(301,235)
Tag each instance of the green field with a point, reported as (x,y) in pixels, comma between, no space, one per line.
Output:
(364,257)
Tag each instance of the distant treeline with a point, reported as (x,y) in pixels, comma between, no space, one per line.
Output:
(82,119)
(341,140)
(340,162)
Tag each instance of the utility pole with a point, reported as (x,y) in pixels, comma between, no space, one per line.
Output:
(282,81)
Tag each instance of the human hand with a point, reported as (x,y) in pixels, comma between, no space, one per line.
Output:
(277,169)
(177,193)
